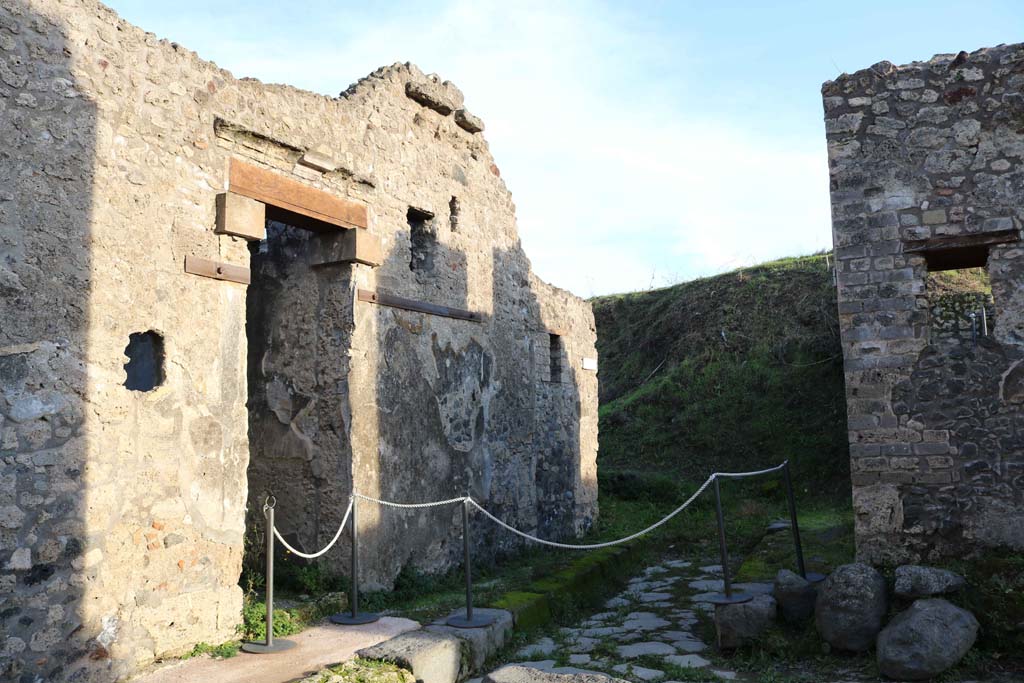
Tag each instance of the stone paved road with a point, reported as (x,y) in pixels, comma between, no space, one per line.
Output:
(645,634)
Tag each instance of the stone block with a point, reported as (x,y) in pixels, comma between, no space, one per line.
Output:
(745,622)
(468,122)
(851,606)
(241,217)
(915,581)
(482,642)
(354,245)
(925,640)
(432,93)
(514,673)
(431,657)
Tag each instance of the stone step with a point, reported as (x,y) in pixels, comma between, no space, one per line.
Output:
(431,657)
(482,642)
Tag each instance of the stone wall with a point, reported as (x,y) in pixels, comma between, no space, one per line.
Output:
(926,174)
(122,512)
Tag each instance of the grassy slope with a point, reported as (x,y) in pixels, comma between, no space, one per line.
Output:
(736,371)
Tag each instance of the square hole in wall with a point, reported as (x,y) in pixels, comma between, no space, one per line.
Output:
(422,240)
(144,370)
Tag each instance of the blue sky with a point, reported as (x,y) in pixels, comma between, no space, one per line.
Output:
(644,143)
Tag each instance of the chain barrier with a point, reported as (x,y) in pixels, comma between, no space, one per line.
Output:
(471,620)
(392,504)
(312,556)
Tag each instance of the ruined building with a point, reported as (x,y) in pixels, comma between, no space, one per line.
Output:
(927,175)
(212,289)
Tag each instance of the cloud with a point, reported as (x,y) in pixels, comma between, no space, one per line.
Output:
(623,180)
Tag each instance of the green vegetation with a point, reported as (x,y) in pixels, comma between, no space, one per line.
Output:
(737,371)
(367,671)
(222,651)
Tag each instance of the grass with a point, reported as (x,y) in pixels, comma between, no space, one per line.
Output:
(738,371)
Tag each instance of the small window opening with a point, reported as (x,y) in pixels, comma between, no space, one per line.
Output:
(145,367)
(555,359)
(423,240)
(960,303)
(453,214)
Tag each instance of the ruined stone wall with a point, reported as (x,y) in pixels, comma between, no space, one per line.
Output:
(926,172)
(432,407)
(122,512)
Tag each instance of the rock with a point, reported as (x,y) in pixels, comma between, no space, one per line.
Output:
(468,121)
(432,657)
(431,92)
(925,640)
(644,621)
(850,607)
(743,622)
(914,581)
(520,674)
(777,526)
(795,596)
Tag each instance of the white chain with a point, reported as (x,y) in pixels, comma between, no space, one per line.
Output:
(530,537)
(334,540)
(739,475)
(594,546)
(392,504)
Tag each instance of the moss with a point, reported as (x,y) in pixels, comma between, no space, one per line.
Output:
(529,610)
(366,671)
(827,539)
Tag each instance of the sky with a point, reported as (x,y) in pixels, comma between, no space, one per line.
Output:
(644,143)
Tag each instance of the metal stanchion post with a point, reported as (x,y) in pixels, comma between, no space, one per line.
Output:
(813,577)
(469,620)
(354,617)
(728,597)
(269,645)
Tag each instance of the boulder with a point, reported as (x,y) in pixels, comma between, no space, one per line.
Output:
(481,642)
(850,607)
(925,640)
(914,581)
(745,622)
(795,596)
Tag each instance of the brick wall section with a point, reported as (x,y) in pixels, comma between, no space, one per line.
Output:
(929,151)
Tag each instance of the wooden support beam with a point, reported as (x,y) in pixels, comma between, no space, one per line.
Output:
(279,192)
(346,246)
(195,265)
(393,301)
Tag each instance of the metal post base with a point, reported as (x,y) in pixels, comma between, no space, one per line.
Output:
(356,619)
(815,577)
(734,599)
(462,621)
(280,645)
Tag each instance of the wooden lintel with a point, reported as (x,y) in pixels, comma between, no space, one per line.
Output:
(195,265)
(393,301)
(983,239)
(277,191)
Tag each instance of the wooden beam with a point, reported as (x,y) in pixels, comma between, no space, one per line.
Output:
(393,301)
(195,265)
(275,190)
(983,239)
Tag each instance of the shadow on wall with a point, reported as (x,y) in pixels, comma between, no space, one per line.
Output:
(299,331)
(464,407)
(46,179)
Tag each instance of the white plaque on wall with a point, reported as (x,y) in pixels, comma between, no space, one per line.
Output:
(590,364)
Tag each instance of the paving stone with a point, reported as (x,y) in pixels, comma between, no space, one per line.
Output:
(712,569)
(678,564)
(654,597)
(754,588)
(706,585)
(649,647)
(724,675)
(542,664)
(687,661)
(644,621)
(541,648)
(702,597)
(579,659)
(689,646)
(602,631)
(618,601)
(640,672)
(583,644)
